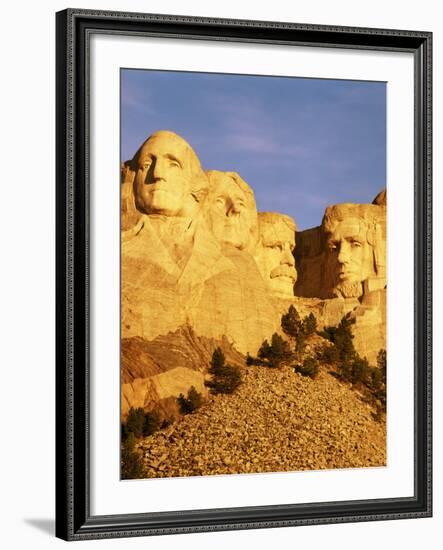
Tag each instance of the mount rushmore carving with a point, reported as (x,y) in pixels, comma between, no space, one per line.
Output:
(196,252)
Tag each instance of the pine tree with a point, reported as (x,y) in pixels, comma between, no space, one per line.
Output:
(130,461)
(152,422)
(217,361)
(309,367)
(135,421)
(298,330)
(291,323)
(265,350)
(360,371)
(280,350)
(381,364)
(193,402)
(225,378)
(343,340)
(309,324)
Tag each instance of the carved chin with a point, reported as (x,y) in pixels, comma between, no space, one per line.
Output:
(232,237)
(163,202)
(283,286)
(349,289)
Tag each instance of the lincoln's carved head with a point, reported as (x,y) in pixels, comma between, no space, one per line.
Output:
(355,246)
(231,212)
(274,252)
(168,177)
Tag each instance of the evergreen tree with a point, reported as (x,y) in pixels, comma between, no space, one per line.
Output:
(381,364)
(309,324)
(226,378)
(130,461)
(328,354)
(291,323)
(265,350)
(344,339)
(309,367)
(280,350)
(298,330)
(193,402)
(135,421)
(360,371)
(152,422)
(217,361)
(275,353)
(376,379)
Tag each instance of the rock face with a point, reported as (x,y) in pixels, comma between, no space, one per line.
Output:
(369,329)
(201,268)
(154,373)
(381,198)
(182,348)
(236,303)
(153,391)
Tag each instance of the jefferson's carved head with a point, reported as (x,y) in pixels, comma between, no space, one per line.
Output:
(231,211)
(274,253)
(168,177)
(355,246)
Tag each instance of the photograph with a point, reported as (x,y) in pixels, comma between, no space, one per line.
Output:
(253,274)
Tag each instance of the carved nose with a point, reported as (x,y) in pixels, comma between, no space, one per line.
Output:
(344,254)
(158,170)
(288,258)
(232,209)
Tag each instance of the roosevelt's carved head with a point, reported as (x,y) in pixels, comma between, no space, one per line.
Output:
(355,246)
(274,253)
(168,177)
(231,211)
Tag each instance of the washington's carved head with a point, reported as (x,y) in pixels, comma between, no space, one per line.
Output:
(354,237)
(274,253)
(231,211)
(168,177)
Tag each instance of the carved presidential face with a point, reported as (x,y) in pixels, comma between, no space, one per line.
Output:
(231,211)
(349,255)
(165,167)
(274,256)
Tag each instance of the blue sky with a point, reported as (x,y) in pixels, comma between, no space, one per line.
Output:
(301,144)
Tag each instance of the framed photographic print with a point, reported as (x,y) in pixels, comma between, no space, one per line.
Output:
(243,274)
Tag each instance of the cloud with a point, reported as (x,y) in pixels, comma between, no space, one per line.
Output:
(138,98)
(248,127)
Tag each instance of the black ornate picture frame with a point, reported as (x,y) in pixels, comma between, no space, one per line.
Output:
(74,520)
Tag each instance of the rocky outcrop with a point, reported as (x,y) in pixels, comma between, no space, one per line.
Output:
(381,198)
(154,373)
(369,327)
(152,392)
(182,348)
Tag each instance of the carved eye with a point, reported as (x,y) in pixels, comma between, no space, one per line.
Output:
(147,163)
(174,164)
(356,244)
(332,246)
